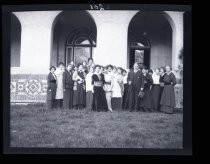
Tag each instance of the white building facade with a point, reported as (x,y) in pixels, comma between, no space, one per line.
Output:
(118,37)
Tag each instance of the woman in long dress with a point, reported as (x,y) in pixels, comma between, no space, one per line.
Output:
(89,89)
(145,102)
(79,97)
(59,91)
(99,98)
(162,74)
(117,89)
(168,96)
(125,83)
(155,91)
(51,88)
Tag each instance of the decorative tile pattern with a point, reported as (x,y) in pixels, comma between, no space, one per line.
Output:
(28,88)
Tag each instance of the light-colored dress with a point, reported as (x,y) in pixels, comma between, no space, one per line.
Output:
(88,80)
(117,86)
(59,91)
(108,79)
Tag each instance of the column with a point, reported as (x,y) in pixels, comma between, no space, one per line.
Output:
(35,41)
(112,34)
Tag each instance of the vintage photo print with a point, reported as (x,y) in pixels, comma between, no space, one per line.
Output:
(97,77)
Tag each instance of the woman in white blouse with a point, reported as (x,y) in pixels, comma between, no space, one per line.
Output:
(155,91)
(117,89)
(59,91)
(89,88)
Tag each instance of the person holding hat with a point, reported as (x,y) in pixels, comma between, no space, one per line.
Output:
(145,101)
(136,86)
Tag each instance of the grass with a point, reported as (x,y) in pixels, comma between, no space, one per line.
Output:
(33,126)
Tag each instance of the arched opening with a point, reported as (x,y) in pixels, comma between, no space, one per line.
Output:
(15,41)
(74,37)
(154,40)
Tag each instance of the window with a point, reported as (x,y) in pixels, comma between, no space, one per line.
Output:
(79,45)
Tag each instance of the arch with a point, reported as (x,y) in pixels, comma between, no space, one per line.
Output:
(140,42)
(15,41)
(157,28)
(73,24)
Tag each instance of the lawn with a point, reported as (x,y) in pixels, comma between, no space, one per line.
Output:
(33,126)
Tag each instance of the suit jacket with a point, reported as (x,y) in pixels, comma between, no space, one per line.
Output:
(136,79)
(68,82)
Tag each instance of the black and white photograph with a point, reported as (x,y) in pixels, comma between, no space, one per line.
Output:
(99,76)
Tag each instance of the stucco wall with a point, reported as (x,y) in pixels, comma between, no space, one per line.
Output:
(112,28)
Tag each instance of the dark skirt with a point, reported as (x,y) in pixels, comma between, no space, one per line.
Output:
(68,99)
(116,103)
(99,100)
(79,96)
(145,102)
(167,99)
(51,104)
(160,95)
(51,94)
(124,106)
(155,97)
(89,100)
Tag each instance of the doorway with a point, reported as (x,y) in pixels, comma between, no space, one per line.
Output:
(140,52)
(140,56)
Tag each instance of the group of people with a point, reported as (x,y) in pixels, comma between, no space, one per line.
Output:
(110,88)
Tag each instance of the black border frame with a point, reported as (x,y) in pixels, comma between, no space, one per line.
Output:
(187,95)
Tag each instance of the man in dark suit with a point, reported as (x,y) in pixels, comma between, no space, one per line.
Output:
(136,85)
(68,85)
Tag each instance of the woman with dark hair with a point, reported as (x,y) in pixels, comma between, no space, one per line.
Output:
(79,97)
(167,101)
(51,88)
(59,91)
(99,98)
(145,101)
(155,91)
(90,63)
(85,67)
